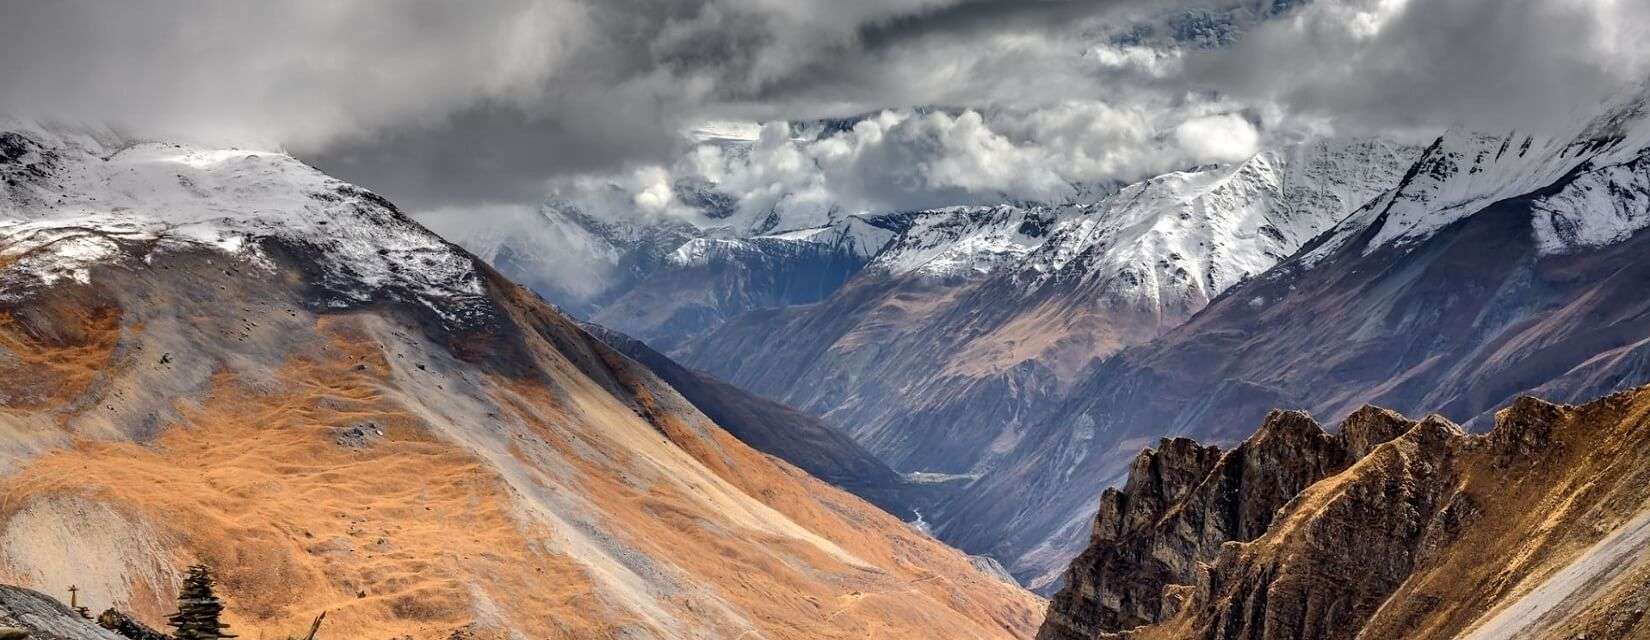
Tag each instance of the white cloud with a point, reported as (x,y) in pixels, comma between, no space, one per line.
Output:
(908,159)
(654,196)
(1224,138)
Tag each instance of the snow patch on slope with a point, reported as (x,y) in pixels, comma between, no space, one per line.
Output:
(1597,208)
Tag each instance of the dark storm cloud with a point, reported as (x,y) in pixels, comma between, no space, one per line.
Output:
(304,73)
(985,16)
(1482,64)
(491,153)
(439,103)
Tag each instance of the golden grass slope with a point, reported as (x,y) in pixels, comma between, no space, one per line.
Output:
(414,484)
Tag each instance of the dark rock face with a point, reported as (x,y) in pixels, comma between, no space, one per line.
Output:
(1354,550)
(1119,581)
(1536,529)
(1183,502)
(23,159)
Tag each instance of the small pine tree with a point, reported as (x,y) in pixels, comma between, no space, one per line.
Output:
(198,609)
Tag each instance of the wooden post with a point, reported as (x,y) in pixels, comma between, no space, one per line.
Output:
(315,626)
(74,603)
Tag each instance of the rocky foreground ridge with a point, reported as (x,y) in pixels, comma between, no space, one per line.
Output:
(1391,528)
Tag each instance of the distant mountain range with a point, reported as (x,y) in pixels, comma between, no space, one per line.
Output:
(941,336)
(1032,348)
(1495,267)
(667,282)
(969,326)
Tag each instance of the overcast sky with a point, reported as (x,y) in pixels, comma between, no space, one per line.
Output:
(448,105)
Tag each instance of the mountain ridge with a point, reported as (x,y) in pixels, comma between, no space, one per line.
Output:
(1459,320)
(404,438)
(1529,530)
(965,330)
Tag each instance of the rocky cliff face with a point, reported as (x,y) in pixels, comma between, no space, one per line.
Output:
(1183,501)
(225,356)
(1538,529)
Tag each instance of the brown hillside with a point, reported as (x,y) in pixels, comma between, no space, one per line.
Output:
(414,479)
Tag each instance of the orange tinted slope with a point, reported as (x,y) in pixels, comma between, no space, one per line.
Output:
(545,506)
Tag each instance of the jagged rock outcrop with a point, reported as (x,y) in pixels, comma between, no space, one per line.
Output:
(1348,553)
(1183,501)
(1538,529)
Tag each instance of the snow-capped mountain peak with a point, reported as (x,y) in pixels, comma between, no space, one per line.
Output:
(861,237)
(1185,234)
(1598,157)
(965,241)
(71,200)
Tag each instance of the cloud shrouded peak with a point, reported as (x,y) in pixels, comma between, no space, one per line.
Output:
(792,175)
